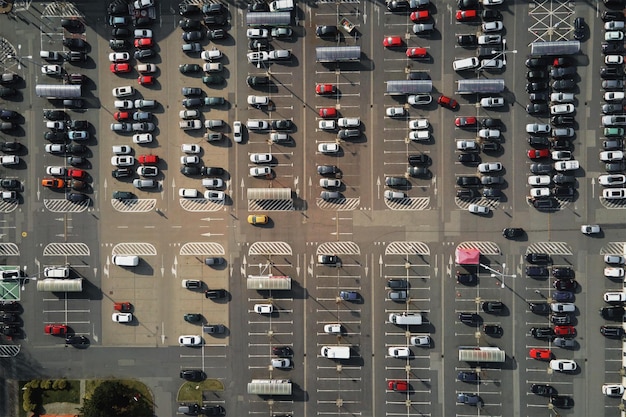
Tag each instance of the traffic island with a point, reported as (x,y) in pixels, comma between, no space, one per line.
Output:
(198,392)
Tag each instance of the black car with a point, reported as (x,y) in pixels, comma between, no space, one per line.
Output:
(216,34)
(212,410)
(76,340)
(189,9)
(561,320)
(75,44)
(420,159)
(491,180)
(54,114)
(566,284)
(470,377)
(192,36)
(543,390)
(213,171)
(512,232)
(258,6)
(10,147)
(492,193)
(72,25)
(613,144)
(536,63)
(467,4)
(215,294)
(563,192)
(563,61)
(541,168)
(192,374)
(396,182)
(10,184)
(540,308)
(611,72)
(542,332)
(564,179)
(533,75)
(563,120)
(539,142)
(143,22)
(75,148)
(119,45)
(490,147)
(282,351)
(537,108)
(326,31)
(467,40)
(615,166)
(76,161)
(9,330)
(563,296)
(537,271)
(563,85)
(190,24)
(579,28)
(609,48)
(55,137)
(538,258)
(193,102)
(76,197)
(466,278)
(468,181)
(192,317)
(284,124)
(468,158)
(398,284)
(493,330)
(122,195)
(141,54)
(613,3)
(259,44)
(469,318)
(7,92)
(537,86)
(562,72)
(118,8)
(561,145)
(213,9)
(327,170)
(9,317)
(492,307)
(257,80)
(397,5)
(612,331)
(612,108)
(545,203)
(78,125)
(491,14)
(215,20)
(8,115)
(562,401)
(121,173)
(417,75)
(467,193)
(612,313)
(538,97)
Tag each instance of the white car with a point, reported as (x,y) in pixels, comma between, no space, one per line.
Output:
(419,99)
(489,39)
(189,114)
(190,148)
(143,4)
(123,104)
(55,70)
(608,156)
(261,158)
(466,145)
(348,122)
(213,195)
(489,133)
(56,171)
(536,180)
(143,33)
(419,124)
(122,317)
(614,59)
(478,209)
(614,25)
(253,33)
(328,147)
(327,125)
(540,192)
(281,363)
(613,390)
(54,148)
(260,171)
(142,138)
(395,111)
(330,183)
(211,55)
(614,96)
(146,68)
(563,365)
(124,91)
(419,135)
(237,133)
(332,328)
(562,109)
(614,259)
(279,54)
(212,182)
(121,149)
(567,165)
(615,296)
(256,57)
(399,351)
(614,193)
(258,100)
(190,340)
(492,102)
(492,2)
(563,307)
(188,193)
(264,308)
(119,57)
(537,128)
(421,340)
(122,161)
(9,160)
(189,160)
(489,167)
(492,63)
(561,155)
(147,171)
(562,97)
(613,272)
(590,229)
(55,125)
(212,67)
(190,124)
(612,179)
(613,35)
(496,26)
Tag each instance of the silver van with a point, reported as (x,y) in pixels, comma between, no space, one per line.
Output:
(125,260)
(56,271)
(465,64)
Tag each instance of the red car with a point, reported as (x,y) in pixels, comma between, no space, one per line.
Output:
(124,307)
(120,116)
(120,68)
(538,153)
(144,43)
(322,89)
(416,52)
(328,112)
(465,121)
(565,330)
(76,173)
(148,159)
(420,15)
(463,15)
(392,41)
(145,80)
(55,329)
(398,385)
(448,102)
(540,354)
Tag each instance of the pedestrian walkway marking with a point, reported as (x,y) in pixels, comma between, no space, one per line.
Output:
(137,249)
(485,248)
(270,248)
(66,249)
(408,203)
(133,205)
(9,249)
(613,204)
(407,248)
(9,351)
(8,206)
(270,205)
(614,248)
(61,9)
(339,204)
(489,202)
(200,204)
(202,248)
(57,205)
(338,248)
(552,248)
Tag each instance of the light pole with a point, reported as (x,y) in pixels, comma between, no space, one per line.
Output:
(502,275)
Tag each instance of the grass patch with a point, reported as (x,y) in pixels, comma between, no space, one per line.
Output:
(71,394)
(134,385)
(192,391)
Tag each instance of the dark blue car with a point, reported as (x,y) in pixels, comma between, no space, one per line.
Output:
(563,296)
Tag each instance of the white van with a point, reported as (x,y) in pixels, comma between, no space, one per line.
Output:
(465,64)
(336,352)
(56,271)
(127,260)
(405,319)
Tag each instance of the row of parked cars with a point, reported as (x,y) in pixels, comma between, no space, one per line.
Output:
(10,121)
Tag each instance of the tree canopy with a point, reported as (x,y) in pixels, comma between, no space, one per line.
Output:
(114,399)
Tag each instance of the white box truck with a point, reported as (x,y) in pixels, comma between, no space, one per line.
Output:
(281,5)
(336,352)
(405,319)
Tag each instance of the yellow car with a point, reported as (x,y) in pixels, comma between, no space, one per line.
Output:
(257,219)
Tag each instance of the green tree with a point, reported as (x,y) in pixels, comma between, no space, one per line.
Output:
(114,399)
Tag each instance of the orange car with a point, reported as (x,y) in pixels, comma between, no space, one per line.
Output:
(53,183)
